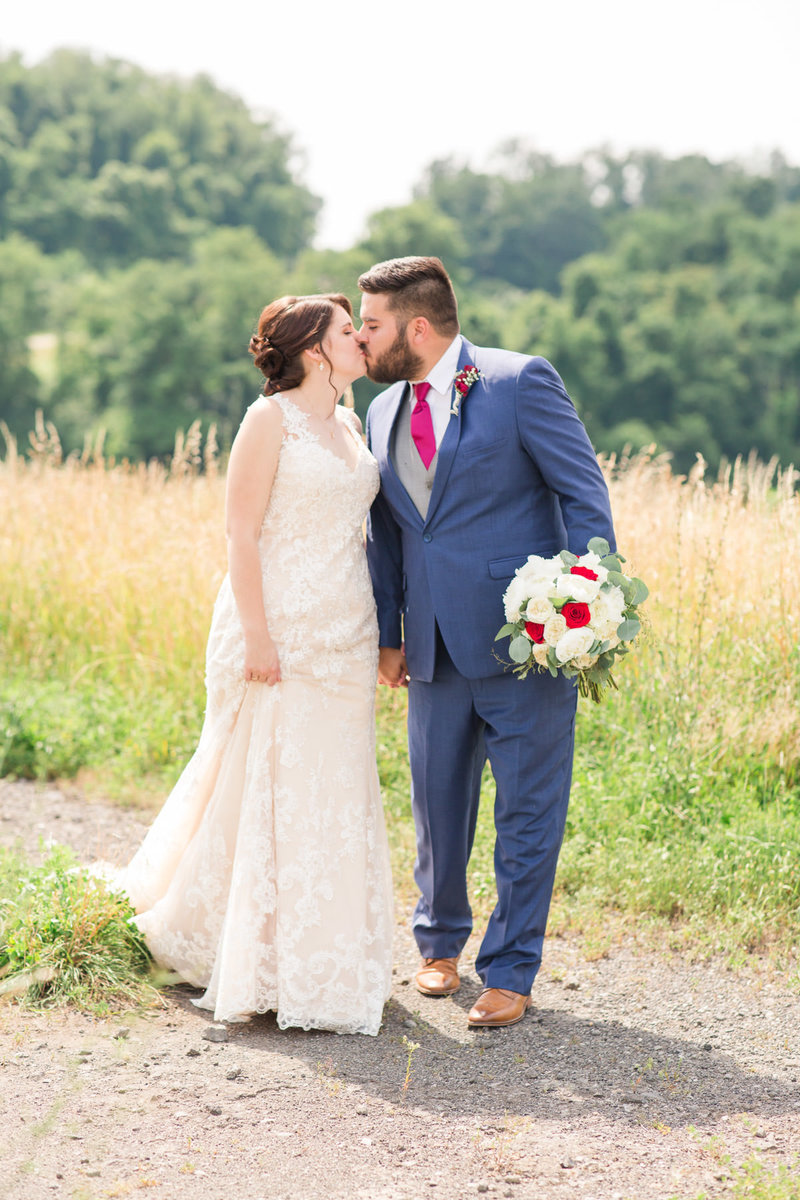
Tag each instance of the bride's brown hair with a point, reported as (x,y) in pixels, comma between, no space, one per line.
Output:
(286,328)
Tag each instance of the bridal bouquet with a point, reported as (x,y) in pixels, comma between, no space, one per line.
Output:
(573,615)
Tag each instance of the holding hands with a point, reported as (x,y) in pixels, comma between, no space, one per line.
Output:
(392,667)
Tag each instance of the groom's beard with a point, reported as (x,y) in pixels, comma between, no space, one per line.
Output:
(396,363)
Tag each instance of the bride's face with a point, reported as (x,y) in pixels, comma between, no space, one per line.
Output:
(342,348)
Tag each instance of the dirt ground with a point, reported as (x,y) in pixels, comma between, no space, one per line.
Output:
(636,1076)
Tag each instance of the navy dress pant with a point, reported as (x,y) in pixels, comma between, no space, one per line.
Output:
(526,729)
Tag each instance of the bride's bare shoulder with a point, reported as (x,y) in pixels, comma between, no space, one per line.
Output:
(261,425)
(264,405)
(264,414)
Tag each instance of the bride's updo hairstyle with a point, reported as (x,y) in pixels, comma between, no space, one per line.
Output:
(286,328)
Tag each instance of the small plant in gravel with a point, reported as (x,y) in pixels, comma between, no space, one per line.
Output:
(327,1075)
(65,938)
(411,1047)
(755,1180)
(498,1152)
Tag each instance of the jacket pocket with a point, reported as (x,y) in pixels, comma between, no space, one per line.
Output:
(504,568)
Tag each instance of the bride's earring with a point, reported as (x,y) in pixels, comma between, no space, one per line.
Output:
(322,366)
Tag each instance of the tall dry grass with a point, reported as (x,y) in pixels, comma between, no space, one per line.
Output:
(109,568)
(724,610)
(686,800)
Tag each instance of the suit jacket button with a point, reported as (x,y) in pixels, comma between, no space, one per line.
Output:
(427,537)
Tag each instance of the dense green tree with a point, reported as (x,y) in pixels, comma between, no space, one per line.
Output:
(23,303)
(122,164)
(697,352)
(523,224)
(148,349)
(144,222)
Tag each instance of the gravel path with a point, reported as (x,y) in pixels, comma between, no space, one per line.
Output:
(637,1076)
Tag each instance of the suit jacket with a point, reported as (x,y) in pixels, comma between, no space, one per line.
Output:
(516,475)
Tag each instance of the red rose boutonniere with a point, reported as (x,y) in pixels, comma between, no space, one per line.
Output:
(461,385)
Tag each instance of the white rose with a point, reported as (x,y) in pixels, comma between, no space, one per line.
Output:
(515,597)
(608,608)
(584,661)
(540,589)
(540,653)
(554,629)
(539,610)
(577,588)
(536,568)
(574,642)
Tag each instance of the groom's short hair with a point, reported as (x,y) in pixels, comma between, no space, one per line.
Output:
(415,287)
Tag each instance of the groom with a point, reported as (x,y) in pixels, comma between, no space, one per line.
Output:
(483,461)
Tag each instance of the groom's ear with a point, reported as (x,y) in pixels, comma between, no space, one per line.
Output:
(418,330)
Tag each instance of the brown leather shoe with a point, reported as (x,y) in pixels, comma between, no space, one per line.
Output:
(438,977)
(496,1007)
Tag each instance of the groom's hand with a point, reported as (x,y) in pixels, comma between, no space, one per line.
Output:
(392,667)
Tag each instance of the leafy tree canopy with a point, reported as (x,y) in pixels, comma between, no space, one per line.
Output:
(106,158)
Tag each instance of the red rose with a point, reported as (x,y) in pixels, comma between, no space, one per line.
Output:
(586,572)
(576,614)
(534,631)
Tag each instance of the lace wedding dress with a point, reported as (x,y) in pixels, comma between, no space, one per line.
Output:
(265,878)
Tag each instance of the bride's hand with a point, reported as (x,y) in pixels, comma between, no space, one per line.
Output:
(261,663)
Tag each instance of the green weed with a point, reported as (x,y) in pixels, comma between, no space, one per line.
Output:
(66,938)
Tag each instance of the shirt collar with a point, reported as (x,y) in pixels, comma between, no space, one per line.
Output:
(441,376)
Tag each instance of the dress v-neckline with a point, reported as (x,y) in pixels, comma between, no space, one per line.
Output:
(318,439)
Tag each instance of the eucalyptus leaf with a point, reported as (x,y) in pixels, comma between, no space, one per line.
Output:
(519,649)
(641,593)
(598,546)
(628,630)
(506,631)
(568,558)
(616,577)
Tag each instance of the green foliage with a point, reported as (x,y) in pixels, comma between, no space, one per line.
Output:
(523,224)
(683,335)
(417,228)
(120,164)
(759,1180)
(65,937)
(144,222)
(54,729)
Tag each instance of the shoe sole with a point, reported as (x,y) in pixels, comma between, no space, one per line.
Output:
(499,1024)
(437,991)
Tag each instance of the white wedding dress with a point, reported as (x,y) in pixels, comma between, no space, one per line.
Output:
(265,878)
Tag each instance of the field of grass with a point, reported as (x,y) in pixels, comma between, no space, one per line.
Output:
(685,810)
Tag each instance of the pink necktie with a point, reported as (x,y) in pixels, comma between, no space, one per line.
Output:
(422,425)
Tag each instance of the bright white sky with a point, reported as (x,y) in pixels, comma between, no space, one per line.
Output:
(372,93)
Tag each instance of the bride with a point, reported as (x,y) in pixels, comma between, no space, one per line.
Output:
(265,878)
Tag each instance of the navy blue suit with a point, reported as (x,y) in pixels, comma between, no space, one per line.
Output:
(516,475)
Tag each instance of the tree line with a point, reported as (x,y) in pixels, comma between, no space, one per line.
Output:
(145,220)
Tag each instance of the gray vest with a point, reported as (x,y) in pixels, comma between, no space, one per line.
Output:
(410,468)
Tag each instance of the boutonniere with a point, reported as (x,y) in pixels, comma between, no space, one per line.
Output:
(462,383)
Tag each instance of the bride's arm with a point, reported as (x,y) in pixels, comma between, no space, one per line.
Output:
(251,471)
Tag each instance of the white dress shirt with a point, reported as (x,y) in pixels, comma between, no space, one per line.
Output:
(440,397)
